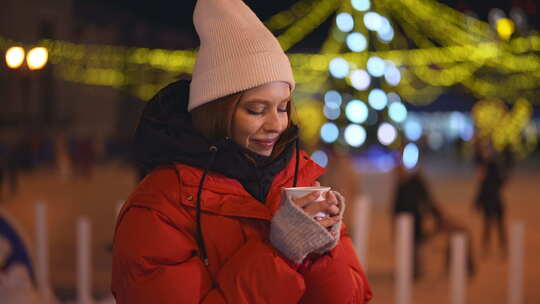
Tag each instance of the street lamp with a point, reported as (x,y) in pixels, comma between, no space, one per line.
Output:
(36,59)
(15,57)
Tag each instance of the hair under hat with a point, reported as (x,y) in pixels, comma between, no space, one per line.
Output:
(237,52)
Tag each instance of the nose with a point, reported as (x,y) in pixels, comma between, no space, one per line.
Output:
(273,122)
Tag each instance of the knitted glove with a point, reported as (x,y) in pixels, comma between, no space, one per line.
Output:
(296,234)
(336,227)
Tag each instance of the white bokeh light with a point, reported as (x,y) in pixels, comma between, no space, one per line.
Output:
(392,75)
(361,5)
(373,21)
(355,135)
(320,157)
(360,79)
(345,22)
(329,132)
(385,31)
(386,133)
(410,156)
(356,42)
(356,111)
(376,66)
(386,36)
(377,99)
(397,112)
(339,67)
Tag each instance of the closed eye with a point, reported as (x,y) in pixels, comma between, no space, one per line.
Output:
(251,112)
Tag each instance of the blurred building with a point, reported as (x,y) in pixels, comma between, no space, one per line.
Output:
(41,101)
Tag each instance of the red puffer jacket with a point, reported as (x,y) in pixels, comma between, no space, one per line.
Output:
(156,259)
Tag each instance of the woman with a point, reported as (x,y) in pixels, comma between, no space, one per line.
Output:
(208,224)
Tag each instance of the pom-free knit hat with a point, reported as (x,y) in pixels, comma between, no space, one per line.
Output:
(237,52)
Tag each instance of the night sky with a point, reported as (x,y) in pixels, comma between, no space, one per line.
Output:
(178,13)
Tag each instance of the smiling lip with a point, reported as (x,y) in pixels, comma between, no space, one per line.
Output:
(265,143)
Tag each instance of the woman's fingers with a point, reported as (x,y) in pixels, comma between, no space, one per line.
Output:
(329,205)
(306,199)
(333,210)
(316,184)
(325,206)
(330,221)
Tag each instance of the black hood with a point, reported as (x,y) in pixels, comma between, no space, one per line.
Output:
(165,135)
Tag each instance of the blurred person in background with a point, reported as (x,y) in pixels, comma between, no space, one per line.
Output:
(412,196)
(209,223)
(492,174)
(342,176)
(84,153)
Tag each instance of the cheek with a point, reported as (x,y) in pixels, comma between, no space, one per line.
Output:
(244,127)
(285,122)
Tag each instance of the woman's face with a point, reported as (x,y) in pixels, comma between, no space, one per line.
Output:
(261,116)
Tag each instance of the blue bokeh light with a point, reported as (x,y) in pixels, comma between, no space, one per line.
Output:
(413,130)
(377,99)
(397,112)
(376,66)
(345,22)
(361,5)
(339,67)
(329,132)
(320,157)
(356,42)
(411,154)
(332,97)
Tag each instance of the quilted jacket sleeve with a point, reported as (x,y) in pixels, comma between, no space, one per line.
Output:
(155,262)
(337,277)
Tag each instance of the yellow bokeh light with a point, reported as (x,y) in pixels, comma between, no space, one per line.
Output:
(14,57)
(505,28)
(37,58)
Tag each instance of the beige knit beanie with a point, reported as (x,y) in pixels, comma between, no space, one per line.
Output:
(237,52)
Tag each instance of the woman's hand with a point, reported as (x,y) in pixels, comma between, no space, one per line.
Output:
(295,233)
(329,205)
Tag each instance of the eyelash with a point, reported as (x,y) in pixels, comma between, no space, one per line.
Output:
(259,113)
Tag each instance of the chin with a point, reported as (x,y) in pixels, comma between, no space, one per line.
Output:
(263,152)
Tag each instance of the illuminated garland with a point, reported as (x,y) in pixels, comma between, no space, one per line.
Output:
(518,133)
(469,45)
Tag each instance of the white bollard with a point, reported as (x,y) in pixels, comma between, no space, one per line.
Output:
(361,216)
(515,265)
(42,250)
(404,258)
(84,268)
(458,269)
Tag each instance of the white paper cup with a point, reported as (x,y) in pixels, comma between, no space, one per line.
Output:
(296,192)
